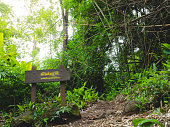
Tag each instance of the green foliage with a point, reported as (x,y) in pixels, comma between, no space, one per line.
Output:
(99,41)
(149,88)
(39,112)
(39,27)
(50,63)
(111,94)
(159,111)
(141,122)
(101,52)
(82,96)
(166,55)
(4,9)
(113,84)
(6,26)
(62,110)
(12,89)
(88,50)
(7,117)
(21,108)
(167,46)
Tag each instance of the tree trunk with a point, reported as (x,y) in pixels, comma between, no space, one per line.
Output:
(65,25)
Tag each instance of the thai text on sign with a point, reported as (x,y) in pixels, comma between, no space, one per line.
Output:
(50,75)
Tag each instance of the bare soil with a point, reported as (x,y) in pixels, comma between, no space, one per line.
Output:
(111,114)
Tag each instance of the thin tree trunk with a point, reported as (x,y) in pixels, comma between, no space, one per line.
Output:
(65,25)
(34,49)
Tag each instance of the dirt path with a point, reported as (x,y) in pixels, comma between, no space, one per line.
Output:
(109,114)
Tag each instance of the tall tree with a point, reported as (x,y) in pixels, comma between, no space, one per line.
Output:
(64,12)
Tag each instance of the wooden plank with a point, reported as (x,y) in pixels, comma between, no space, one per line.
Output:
(62,89)
(33,90)
(51,75)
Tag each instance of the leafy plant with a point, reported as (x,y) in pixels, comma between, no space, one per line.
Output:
(149,88)
(7,117)
(166,55)
(82,96)
(62,110)
(159,111)
(111,94)
(141,122)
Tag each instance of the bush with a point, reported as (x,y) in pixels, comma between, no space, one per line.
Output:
(13,90)
(82,96)
(150,88)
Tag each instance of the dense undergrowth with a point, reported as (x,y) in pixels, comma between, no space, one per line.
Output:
(150,87)
(81,97)
(116,48)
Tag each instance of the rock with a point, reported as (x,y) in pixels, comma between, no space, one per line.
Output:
(131,107)
(75,111)
(64,117)
(24,120)
(2,123)
(121,98)
(110,112)
(49,113)
(119,119)
(102,115)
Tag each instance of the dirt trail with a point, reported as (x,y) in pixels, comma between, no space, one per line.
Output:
(110,114)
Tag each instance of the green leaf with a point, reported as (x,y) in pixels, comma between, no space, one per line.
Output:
(161,110)
(45,120)
(167,65)
(20,108)
(1,39)
(166,52)
(2,74)
(14,61)
(150,122)
(13,48)
(28,66)
(137,121)
(167,45)
(2,52)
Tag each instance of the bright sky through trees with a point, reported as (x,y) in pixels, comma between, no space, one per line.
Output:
(17,6)
(20,9)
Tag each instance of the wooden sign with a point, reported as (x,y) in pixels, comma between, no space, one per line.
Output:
(51,75)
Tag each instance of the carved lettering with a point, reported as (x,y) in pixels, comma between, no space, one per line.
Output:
(50,73)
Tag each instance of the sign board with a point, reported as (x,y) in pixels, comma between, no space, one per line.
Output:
(51,75)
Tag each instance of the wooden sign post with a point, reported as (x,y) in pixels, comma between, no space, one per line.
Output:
(33,88)
(52,75)
(62,89)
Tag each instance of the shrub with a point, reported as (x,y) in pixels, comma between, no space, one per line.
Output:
(150,88)
(82,96)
